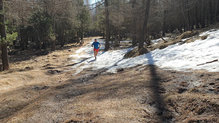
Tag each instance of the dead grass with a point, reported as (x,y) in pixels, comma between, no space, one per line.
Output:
(35,70)
(123,97)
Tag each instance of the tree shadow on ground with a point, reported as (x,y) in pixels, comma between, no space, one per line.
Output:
(110,90)
(9,106)
(155,84)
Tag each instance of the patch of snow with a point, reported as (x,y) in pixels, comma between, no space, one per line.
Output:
(126,41)
(185,39)
(159,39)
(183,57)
(104,60)
(85,52)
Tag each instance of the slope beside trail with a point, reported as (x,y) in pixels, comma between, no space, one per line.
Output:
(201,54)
(76,89)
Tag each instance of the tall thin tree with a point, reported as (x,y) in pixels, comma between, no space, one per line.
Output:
(107,25)
(146,3)
(3,43)
(134,40)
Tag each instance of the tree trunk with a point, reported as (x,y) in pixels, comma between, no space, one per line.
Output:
(82,31)
(53,47)
(4,50)
(23,38)
(186,19)
(107,26)
(215,10)
(196,19)
(5,61)
(203,13)
(164,30)
(134,41)
(143,31)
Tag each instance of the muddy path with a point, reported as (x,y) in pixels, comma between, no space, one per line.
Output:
(140,94)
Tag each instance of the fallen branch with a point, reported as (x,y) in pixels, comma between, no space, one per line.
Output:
(208,62)
(164,39)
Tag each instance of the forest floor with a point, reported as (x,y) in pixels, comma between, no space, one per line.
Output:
(44,89)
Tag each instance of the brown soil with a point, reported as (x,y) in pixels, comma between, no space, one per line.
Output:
(44,90)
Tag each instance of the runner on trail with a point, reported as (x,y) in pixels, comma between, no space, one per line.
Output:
(96,46)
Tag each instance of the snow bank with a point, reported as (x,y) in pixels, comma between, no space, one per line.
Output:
(159,40)
(177,57)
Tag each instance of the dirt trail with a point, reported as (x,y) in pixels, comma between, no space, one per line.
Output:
(50,94)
